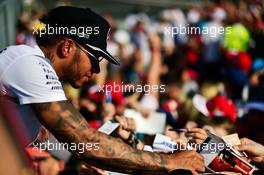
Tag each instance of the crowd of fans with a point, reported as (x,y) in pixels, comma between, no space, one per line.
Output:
(211,80)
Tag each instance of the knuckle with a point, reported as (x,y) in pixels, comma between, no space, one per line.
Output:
(197,140)
(244,139)
(194,134)
(203,169)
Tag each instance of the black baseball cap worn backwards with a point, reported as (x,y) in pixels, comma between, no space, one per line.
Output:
(94,33)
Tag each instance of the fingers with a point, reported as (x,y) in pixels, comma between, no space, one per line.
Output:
(189,160)
(198,130)
(246,141)
(198,134)
(247,145)
(194,172)
(126,123)
(122,121)
(195,135)
(257,159)
(200,156)
(131,123)
(199,162)
(246,148)
(252,148)
(199,166)
(196,155)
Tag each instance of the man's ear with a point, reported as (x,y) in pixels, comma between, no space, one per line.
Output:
(65,48)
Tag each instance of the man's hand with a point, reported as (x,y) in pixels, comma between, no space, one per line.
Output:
(127,125)
(254,150)
(198,135)
(189,160)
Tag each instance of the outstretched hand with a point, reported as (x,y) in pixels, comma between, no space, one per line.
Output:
(254,150)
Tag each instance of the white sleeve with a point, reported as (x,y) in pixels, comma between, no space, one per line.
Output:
(33,80)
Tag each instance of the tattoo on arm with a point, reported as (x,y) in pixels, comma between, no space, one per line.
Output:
(68,126)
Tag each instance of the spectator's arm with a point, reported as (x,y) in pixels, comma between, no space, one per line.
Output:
(254,150)
(101,77)
(155,66)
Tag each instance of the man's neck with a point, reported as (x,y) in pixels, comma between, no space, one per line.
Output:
(48,54)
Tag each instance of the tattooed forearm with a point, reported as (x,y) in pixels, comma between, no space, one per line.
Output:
(67,125)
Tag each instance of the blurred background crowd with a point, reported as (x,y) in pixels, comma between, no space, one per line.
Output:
(212,82)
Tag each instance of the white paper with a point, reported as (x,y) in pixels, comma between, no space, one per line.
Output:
(153,124)
(232,139)
(147,148)
(108,127)
(163,143)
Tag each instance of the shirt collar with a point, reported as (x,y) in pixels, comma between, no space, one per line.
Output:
(39,51)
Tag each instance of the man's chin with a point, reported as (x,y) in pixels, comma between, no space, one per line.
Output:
(77,85)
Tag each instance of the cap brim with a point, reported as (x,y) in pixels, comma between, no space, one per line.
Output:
(103,53)
(199,103)
(255,105)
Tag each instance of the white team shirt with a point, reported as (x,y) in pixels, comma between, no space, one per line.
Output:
(27,76)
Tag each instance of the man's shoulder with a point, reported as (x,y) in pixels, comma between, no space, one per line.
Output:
(20,47)
(12,54)
(29,77)
(25,60)
(24,56)
(23,50)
